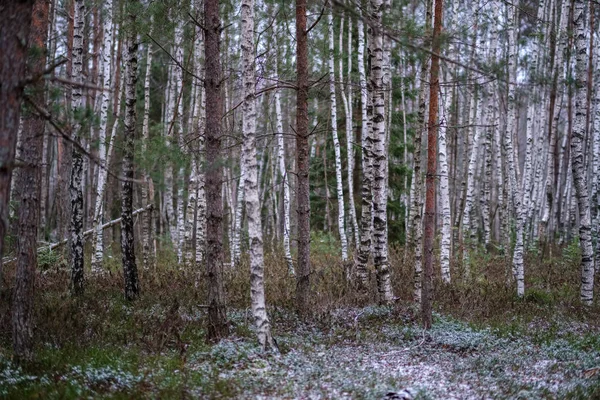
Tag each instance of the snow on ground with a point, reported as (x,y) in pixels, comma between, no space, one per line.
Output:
(351,354)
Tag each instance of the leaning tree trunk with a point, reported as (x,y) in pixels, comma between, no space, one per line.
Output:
(127,243)
(28,183)
(577,162)
(302,160)
(257,261)
(217,318)
(107,50)
(380,159)
(336,142)
(76,182)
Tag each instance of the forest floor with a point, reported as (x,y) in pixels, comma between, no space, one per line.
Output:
(485,342)
(345,353)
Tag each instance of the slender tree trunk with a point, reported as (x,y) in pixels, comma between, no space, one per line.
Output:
(148,186)
(511,127)
(347,101)
(257,262)
(283,175)
(336,141)
(28,183)
(448,96)
(76,183)
(302,160)
(577,162)
(432,127)
(130,274)
(380,159)
(217,318)
(107,49)
(416,218)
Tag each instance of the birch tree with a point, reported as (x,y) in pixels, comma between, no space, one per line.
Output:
(380,159)
(76,181)
(257,284)
(366,219)
(577,162)
(336,141)
(107,74)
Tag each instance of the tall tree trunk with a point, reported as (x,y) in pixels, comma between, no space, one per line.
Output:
(127,243)
(577,162)
(429,220)
(416,217)
(511,127)
(147,186)
(283,175)
(76,182)
(366,219)
(217,318)
(336,141)
(28,183)
(347,102)
(107,50)
(302,160)
(380,159)
(448,96)
(257,262)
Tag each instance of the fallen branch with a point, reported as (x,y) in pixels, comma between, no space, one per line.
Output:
(85,234)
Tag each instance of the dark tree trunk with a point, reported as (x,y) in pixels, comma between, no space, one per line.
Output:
(132,289)
(432,132)
(217,317)
(28,183)
(15,19)
(302,160)
(76,182)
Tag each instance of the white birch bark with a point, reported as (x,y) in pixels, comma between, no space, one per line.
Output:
(257,285)
(347,102)
(98,236)
(148,255)
(447,95)
(577,162)
(107,50)
(336,142)
(283,176)
(364,250)
(178,125)
(517,261)
(239,208)
(380,159)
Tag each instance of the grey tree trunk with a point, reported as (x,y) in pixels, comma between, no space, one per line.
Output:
(132,289)
(28,183)
(217,318)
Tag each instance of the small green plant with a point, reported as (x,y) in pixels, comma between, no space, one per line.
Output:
(47,259)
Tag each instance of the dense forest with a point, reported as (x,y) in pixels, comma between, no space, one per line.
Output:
(196,192)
